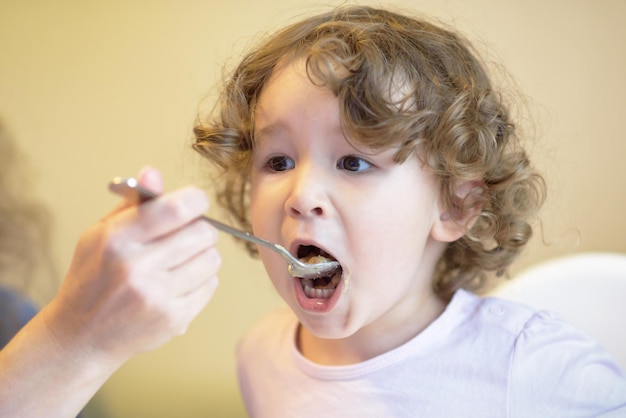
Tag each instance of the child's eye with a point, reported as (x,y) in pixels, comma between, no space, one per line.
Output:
(353,163)
(279,163)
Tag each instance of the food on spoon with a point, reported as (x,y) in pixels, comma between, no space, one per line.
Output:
(314,259)
(329,282)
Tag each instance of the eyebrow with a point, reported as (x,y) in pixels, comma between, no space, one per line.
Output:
(268,131)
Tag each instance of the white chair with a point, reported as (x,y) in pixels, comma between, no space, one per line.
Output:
(586,289)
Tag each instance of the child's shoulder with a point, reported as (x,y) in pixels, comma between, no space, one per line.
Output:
(546,358)
(497,313)
(537,339)
(525,328)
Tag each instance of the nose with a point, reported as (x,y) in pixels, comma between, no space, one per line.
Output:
(308,194)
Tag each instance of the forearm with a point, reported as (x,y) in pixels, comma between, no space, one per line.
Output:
(39,377)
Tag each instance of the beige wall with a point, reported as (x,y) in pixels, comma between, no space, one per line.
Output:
(92,90)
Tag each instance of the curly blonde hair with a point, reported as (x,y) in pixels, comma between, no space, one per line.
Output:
(405,82)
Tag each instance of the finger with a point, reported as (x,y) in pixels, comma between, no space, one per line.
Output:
(159,217)
(151,179)
(188,277)
(189,306)
(178,247)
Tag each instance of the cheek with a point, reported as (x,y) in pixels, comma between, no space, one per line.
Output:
(266,213)
(394,236)
(390,245)
(278,273)
(259,207)
(256,211)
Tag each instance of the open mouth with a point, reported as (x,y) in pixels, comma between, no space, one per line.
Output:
(321,287)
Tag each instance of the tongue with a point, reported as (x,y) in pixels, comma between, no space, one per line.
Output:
(321,283)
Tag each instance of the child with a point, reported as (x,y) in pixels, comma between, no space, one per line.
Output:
(377,140)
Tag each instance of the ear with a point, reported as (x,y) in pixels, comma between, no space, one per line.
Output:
(455,221)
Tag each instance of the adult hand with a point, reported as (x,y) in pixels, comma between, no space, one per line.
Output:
(138,277)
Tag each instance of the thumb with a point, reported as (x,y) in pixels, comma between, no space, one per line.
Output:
(151,179)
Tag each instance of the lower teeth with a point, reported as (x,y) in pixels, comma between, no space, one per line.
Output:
(325,292)
(313,293)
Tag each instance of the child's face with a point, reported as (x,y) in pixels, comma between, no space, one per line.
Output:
(310,186)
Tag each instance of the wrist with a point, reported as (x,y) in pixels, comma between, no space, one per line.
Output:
(72,341)
(48,372)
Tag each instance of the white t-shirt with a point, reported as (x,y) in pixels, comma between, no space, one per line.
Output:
(483,357)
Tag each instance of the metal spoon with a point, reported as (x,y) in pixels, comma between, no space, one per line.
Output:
(131,190)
